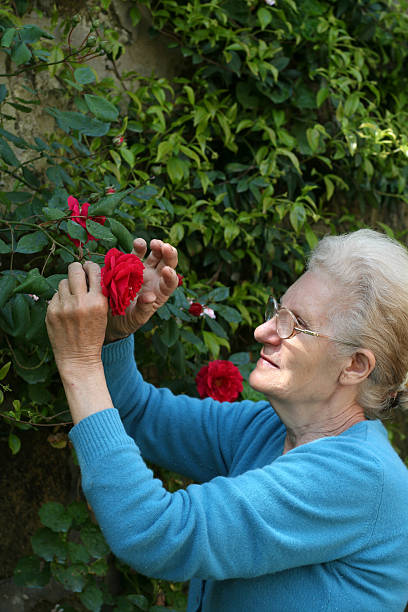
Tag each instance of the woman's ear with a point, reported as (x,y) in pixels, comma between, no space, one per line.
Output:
(358,368)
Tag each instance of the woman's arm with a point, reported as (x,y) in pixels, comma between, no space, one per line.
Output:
(197,438)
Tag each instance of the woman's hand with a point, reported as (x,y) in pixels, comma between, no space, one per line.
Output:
(159,282)
(76,319)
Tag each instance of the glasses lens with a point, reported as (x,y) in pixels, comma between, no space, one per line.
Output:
(271,309)
(285,324)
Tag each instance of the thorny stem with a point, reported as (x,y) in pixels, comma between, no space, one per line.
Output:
(7,416)
(39,227)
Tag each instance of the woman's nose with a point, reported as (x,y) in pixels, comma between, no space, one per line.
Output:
(267,332)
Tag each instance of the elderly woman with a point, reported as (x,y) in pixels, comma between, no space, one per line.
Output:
(303,503)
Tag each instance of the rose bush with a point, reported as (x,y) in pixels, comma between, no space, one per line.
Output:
(121,279)
(221,380)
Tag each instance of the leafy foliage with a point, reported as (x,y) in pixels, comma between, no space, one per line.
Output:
(71,549)
(283,123)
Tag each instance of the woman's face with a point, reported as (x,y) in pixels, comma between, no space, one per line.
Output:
(303,368)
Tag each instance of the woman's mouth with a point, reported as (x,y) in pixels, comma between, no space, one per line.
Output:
(268,360)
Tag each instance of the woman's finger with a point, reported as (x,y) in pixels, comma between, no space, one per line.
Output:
(76,279)
(170,255)
(93,274)
(64,290)
(139,247)
(155,255)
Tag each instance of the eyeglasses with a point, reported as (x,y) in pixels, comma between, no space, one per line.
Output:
(287,324)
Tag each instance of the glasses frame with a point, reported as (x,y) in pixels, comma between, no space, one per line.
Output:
(273,306)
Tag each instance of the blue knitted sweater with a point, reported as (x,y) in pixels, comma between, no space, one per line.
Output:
(322,528)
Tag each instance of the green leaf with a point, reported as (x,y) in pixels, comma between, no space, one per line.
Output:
(76,231)
(4,247)
(147,192)
(79,512)
(31,572)
(164,313)
(210,341)
(7,37)
(311,237)
(78,553)
(48,545)
(321,96)
(72,578)
(140,601)
(239,358)
(352,103)
(231,231)
(107,204)
(170,332)
(94,541)
(92,598)
(192,339)
(218,295)
(99,231)
(313,138)
(264,17)
(14,443)
(98,567)
(216,327)
(21,54)
(32,243)
(175,169)
(4,370)
(7,284)
(3,92)
(297,216)
(101,108)
(71,120)
(20,314)
(176,233)
(122,234)
(54,516)
(7,153)
(34,283)
(58,175)
(84,75)
(128,156)
(53,214)
(228,313)
(31,33)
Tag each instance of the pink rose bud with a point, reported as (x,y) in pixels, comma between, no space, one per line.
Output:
(110,190)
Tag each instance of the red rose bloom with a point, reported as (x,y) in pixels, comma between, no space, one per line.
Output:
(220,380)
(196,309)
(121,279)
(81,220)
(180,279)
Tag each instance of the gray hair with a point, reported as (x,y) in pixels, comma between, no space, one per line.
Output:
(371,273)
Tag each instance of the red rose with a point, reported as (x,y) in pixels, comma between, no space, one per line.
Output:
(81,220)
(121,279)
(220,380)
(180,279)
(196,309)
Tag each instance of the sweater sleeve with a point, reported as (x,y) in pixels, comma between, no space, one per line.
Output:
(177,432)
(284,515)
